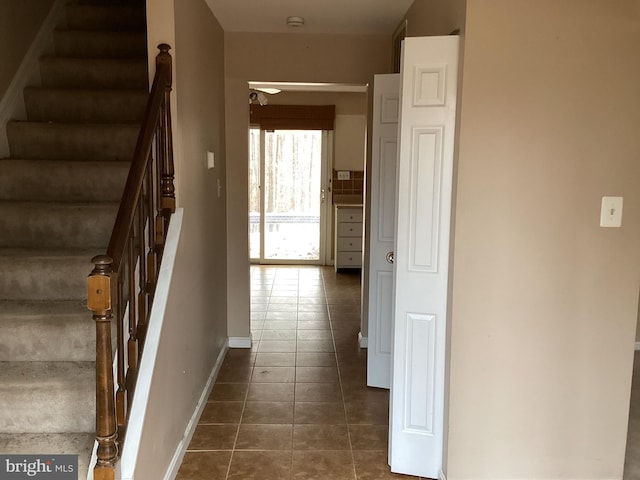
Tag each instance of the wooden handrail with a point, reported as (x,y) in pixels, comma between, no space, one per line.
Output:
(121,287)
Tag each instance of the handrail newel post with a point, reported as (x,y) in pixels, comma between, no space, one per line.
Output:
(168,204)
(99,301)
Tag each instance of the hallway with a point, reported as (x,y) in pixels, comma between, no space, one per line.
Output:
(296,405)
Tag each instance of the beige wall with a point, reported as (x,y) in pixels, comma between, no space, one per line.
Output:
(195,320)
(435,17)
(19,23)
(278,57)
(350,138)
(545,301)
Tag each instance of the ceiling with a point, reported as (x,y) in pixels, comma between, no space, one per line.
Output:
(361,17)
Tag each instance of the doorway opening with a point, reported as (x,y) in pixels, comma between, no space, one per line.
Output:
(288,171)
(300,136)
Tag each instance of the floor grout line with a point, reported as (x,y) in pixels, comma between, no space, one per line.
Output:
(290,287)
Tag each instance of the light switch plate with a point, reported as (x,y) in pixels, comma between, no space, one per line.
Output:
(344,175)
(611,212)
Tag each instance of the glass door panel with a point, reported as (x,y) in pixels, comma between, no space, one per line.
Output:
(254,194)
(292,195)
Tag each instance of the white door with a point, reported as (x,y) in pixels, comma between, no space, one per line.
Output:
(386,95)
(423,217)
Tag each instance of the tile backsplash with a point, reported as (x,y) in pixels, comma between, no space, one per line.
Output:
(353,186)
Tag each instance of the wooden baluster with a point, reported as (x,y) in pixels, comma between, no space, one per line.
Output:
(99,301)
(120,362)
(142,281)
(151,255)
(133,324)
(159,218)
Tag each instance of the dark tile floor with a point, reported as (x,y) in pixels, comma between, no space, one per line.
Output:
(296,405)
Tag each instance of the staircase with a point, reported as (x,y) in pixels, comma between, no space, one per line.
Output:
(59,194)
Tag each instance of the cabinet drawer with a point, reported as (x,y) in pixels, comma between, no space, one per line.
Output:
(349,229)
(349,259)
(349,215)
(350,244)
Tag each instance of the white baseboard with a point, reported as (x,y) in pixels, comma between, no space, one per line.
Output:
(637,345)
(28,73)
(363,341)
(178,456)
(240,342)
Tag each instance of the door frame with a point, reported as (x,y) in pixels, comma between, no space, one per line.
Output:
(324,236)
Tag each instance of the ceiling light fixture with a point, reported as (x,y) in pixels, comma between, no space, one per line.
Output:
(295,21)
(270,91)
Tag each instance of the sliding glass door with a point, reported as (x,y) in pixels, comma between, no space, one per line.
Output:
(288,177)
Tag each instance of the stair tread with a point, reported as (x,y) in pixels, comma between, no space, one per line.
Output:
(46,331)
(18,252)
(71,125)
(62,59)
(79,180)
(48,204)
(100,43)
(20,374)
(38,443)
(108,17)
(55,308)
(65,141)
(43,162)
(102,72)
(47,397)
(89,91)
(80,105)
(74,443)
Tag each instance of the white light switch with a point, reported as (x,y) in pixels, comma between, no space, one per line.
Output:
(211,160)
(344,174)
(611,212)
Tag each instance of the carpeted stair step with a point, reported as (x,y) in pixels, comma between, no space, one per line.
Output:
(100,44)
(46,332)
(56,225)
(47,397)
(65,72)
(56,141)
(80,105)
(58,200)
(75,443)
(62,181)
(106,17)
(44,275)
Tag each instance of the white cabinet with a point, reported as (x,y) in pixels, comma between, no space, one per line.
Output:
(348,236)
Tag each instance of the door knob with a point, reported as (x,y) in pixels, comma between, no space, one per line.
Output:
(390,257)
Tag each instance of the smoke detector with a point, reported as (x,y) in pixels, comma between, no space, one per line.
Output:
(295,21)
